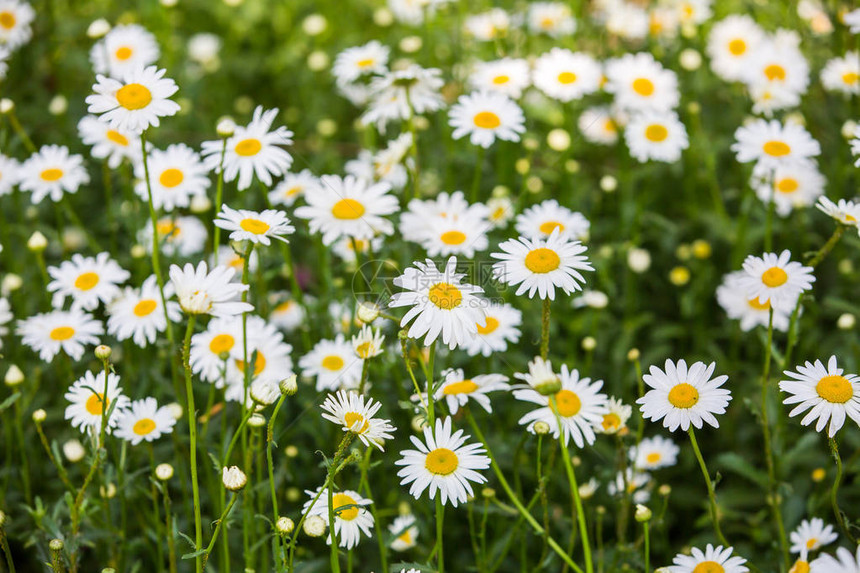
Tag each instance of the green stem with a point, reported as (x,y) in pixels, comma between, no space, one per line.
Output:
(834,491)
(219,192)
(476,178)
(645,529)
(192,434)
(168,522)
(440,521)
(224,515)
(712,496)
(279,556)
(5,545)
(544,329)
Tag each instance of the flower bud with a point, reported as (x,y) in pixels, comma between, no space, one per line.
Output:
(589,343)
(314,526)
(14,376)
(233,478)
(818,475)
(488,493)
(367,312)
(289,385)
(633,354)
(56,545)
(257,421)
(74,451)
(642,514)
(664,489)
(37,242)
(39,416)
(225,127)
(98,28)
(285,525)
(163,472)
(103,352)
(2,518)
(608,183)
(58,105)
(264,392)
(200,204)
(639,260)
(108,492)
(11,282)
(541,428)
(6,105)
(137,251)
(846,321)
(291,451)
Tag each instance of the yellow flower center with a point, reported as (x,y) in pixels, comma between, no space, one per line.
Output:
(810,543)
(355,422)
(94,404)
(547,23)
(683,395)
(364,349)
(284,306)
(453,238)
(487,120)
(776,148)
(259,364)
(347,209)
(133,96)
(774,277)
(123,53)
(850,78)
(51,174)
(143,426)
(567,403)
(461,387)
(492,325)
(171,177)
(117,137)
(7,20)
(611,422)
(255,226)
(566,78)
(754,303)
(248,147)
(144,307)
(549,226)
(167,228)
(800,567)
(835,389)
(774,72)
(332,362)
(709,567)
(542,260)
(441,462)
(221,343)
(501,80)
(656,133)
(787,185)
(653,458)
(737,47)
(405,537)
(86,281)
(643,86)
(498,213)
(445,296)
(292,191)
(365,63)
(340,500)
(62,333)
(609,126)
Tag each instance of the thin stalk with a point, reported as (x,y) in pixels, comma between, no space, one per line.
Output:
(4,544)
(279,556)
(544,329)
(192,434)
(834,491)
(440,520)
(64,476)
(646,525)
(168,522)
(219,193)
(476,178)
(224,515)
(712,496)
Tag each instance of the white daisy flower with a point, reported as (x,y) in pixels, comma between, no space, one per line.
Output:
(597,126)
(401,94)
(9,174)
(846,212)
(144,420)
(444,463)
(88,280)
(286,314)
(294,186)
(211,349)
(123,49)
(107,143)
(681,396)
(69,331)
(254,226)
(353,63)
(176,175)
(501,210)
(732,296)
(811,535)
(485,117)
(441,304)
(844,562)
(654,453)
(615,420)
(641,83)
(5,54)
(268,353)
(16,18)
(203,49)
(842,74)
(351,516)
(405,532)
(771,97)
(252,149)
(349,206)
(579,403)
(508,76)
(539,221)
(852,20)
(664,21)
(229,257)
(551,18)
(51,172)
(368,343)
(694,11)
(463,235)
(135,103)
(636,484)
(776,278)
(488,26)
(456,389)
(333,364)
(88,401)
(626,20)
(827,393)
(659,136)
(390,164)
(177,236)
(347,247)
(540,377)
(355,414)
(711,559)
(417,221)
(772,143)
(778,61)
(792,185)
(499,328)
(139,314)
(541,265)
(200,291)
(566,76)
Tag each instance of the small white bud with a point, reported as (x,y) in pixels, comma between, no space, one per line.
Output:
(318,61)
(264,392)
(137,251)
(103,352)
(367,312)
(257,420)
(314,25)
(289,386)
(164,472)
(6,105)
(411,44)
(14,376)
(690,59)
(541,428)
(846,321)
(589,343)
(37,242)
(558,139)
(314,526)
(225,127)
(39,416)
(74,451)
(200,204)
(176,411)
(608,183)
(98,28)
(643,514)
(56,545)
(285,525)
(639,260)
(10,283)
(108,492)
(233,478)
(58,105)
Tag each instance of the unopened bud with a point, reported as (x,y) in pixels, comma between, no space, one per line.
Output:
(226,127)
(367,312)
(541,428)
(289,385)
(37,242)
(314,526)
(285,525)
(56,545)
(14,376)
(6,105)
(233,478)
(98,28)
(39,416)
(642,514)
(103,352)
(633,354)
(257,421)
(164,472)
(74,451)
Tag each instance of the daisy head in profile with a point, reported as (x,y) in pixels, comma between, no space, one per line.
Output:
(356,414)
(499,329)
(775,278)
(827,392)
(136,102)
(682,396)
(457,390)
(486,116)
(257,227)
(200,291)
(405,533)
(843,211)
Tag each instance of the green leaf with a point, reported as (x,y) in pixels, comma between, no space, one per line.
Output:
(9,401)
(736,464)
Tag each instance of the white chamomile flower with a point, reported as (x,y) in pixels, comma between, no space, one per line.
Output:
(712,559)
(177,236)
(499,328)
(776,278)
(579,404)
(641,83)
(485,117)
(6,317)
(598,126)
(139,314)
(107,143)
(654,453)
(5,54)
(68,331)
(826,392)
(615,420)
(144,420)
(779,62)
(463,235)
(658,136)
(772,143)
(811,535)
(846,212)
(488,26)
(351,517)
(541,265)
(844,562)
(10,172)
(135,103)
(257,227)
(444,463)
(16,18)
(400,94)
(353,63)
(176,174)
(634,483)
(390,164)
(852,20)
(626,20)
(441,304)
(212,348)
(565,76)
(253,149)
(200,291)
(539,221)
(501,210)
(419,218)
(333,363)
(508,76)
(349,206)
(125,48)
(51,172)
(87,280)
(294,186)
(405,533)
(732,296)
(266,351)
(842,74)
(89,401)
(356,414)
(286,313)
(680,396)
(791,185)
(457,390)
(551,18)
(731,44)
(368,343)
